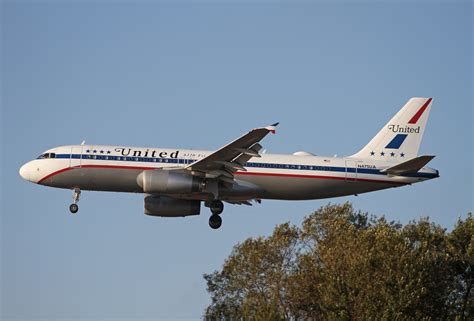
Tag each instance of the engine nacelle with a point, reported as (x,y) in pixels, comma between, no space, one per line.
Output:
(170,207)
(165,181)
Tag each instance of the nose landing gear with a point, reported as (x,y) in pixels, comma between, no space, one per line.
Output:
(216,207)
(73,208)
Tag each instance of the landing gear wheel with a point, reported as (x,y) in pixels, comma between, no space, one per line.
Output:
(76,193)
(215,221)
(217,207)
(73,208)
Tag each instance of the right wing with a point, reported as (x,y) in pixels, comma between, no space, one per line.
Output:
(233,156)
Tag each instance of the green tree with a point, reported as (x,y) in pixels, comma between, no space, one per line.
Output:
(344,265)
(254,280)
(461,251)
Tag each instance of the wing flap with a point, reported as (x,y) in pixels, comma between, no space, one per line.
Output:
(247,154)
(252,152)
(231,165)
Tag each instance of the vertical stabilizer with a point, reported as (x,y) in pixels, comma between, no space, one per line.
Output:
(400,138)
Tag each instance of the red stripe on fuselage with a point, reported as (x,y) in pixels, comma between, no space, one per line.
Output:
(420,112)
(321,177)
(237,173)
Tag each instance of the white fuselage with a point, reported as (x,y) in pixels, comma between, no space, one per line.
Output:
(287,177)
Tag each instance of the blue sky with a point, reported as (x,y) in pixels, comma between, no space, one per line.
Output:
(199,74)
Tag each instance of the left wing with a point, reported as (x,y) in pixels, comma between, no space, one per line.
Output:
(233,156)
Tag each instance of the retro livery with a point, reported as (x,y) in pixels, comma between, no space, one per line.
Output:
(176,181)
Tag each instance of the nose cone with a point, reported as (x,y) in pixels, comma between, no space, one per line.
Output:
(25,172)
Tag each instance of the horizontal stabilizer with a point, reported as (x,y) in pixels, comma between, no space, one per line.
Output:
(409,167)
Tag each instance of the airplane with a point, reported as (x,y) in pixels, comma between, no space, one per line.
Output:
(176,181)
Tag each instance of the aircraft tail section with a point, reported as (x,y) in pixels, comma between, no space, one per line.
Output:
(400,138)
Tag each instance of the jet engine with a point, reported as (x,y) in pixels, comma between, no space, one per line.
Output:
(165,181)
(170,207)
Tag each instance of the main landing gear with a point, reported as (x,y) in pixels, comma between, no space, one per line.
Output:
(74,207)
(216,207)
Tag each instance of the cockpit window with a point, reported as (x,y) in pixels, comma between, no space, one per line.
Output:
(47,155)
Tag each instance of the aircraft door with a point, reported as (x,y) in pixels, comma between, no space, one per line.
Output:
(351,170)
(76,156)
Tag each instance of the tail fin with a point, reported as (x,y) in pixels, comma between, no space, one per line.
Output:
(400,138)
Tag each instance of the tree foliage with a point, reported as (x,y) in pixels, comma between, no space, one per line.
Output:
(346,265)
